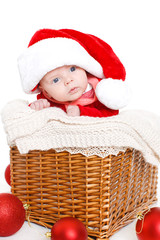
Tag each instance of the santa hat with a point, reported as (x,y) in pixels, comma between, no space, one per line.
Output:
(49,49)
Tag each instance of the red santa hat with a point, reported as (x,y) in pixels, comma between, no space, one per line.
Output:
(49,49)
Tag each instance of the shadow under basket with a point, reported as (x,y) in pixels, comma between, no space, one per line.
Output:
(104,193)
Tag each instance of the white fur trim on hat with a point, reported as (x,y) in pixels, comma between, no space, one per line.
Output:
(51,53)
(113,93)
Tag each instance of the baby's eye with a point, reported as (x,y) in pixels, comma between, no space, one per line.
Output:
(72,69)
(56,80)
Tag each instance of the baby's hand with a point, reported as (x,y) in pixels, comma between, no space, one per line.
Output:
(40,104)
(73,111)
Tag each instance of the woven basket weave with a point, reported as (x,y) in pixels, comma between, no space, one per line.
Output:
(104,193)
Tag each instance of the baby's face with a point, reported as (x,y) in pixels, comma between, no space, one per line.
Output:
(65,83)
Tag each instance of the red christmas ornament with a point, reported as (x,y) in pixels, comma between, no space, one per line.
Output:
(148,224)
(69,228)
(12,214)
(8,175)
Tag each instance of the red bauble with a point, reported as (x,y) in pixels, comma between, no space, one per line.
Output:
(8,175)
(148,228)
(12,214)
(69,228)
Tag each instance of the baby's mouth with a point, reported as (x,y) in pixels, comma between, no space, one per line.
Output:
(74,90)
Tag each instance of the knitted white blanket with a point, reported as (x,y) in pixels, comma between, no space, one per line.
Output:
(52,128)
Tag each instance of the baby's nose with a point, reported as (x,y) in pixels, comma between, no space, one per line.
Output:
(68,81)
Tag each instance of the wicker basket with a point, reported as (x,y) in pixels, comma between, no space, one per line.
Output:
(104,193)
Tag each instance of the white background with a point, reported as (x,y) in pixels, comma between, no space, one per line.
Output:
(130,27)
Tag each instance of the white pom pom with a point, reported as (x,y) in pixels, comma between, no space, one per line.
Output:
(113,93)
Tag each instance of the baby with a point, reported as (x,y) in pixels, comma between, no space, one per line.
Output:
(76,72)
(70,88)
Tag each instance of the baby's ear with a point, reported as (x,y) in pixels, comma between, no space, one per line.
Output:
(40,87)
(45,93)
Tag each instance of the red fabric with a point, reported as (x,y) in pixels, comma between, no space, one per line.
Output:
(97,48)
(95,109)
